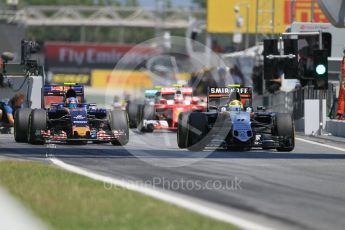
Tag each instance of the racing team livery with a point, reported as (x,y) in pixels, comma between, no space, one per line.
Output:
(133,107)
(64,118)
(231,123)
(169,103)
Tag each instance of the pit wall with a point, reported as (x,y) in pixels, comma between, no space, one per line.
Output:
(293,103)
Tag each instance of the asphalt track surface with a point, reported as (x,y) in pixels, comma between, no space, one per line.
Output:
(303,189)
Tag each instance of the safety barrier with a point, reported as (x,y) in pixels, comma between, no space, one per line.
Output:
(336,128)
(293,102)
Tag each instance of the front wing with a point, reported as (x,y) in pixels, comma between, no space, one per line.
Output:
(258,141)
(62,137)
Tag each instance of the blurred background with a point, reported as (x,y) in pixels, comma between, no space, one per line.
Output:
(84,40)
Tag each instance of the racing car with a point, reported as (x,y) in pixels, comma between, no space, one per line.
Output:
(170,102)
(230,123)
(65,118)
(133,107)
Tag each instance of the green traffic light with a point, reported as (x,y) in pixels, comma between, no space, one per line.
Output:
(320,69)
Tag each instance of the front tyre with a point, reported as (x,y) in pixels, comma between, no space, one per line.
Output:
(132,110)
(182,126)
(285,129)
(197,131)
(147,113)
(37,122)
(21,124)
(118,121)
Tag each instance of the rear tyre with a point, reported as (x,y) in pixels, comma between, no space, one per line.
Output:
(196,131)
(182,130)
(21,124)
(118,121)
(37,122)
(285,128)
(147,113)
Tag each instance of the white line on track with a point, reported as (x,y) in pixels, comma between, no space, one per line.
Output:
(168,197)
(320,144)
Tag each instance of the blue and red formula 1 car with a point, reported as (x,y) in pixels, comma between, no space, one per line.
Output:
(65,118)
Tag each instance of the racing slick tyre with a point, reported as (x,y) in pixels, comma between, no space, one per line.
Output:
(21,123)
(285,128)
(118,120)
(147,113)
(182,130)
(37,122)
(196,131)
(132,110)
(138,118)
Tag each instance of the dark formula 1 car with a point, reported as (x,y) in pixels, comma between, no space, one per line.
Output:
(79,124)
(133,108)
(239,129)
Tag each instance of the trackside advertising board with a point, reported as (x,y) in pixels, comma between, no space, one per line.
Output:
(126,79)
(122,79)
(222,18)
(60,78)
(96,56)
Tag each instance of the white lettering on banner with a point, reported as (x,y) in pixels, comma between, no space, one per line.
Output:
(108,57)
(71,56)
(89,56)
(92,56)
(79,57)
(62,54)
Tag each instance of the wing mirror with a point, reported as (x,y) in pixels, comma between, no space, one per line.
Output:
(7,56)
(261,108)
(212,107)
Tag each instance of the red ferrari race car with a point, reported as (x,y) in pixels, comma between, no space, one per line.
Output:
(170,102)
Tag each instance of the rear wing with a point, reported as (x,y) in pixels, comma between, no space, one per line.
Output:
(56,94)
(150,92)
(220,96)
(168,90)
(186,90)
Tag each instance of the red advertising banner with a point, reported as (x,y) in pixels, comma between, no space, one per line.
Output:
(92,55)
(303,12)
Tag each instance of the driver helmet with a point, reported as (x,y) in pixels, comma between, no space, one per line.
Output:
(235,105)
(72,102)
(179,97)
(71,93)
(71,98)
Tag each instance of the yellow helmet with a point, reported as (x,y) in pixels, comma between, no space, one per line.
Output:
(235,105)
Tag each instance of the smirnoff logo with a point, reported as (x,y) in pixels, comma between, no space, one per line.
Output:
(225,90)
